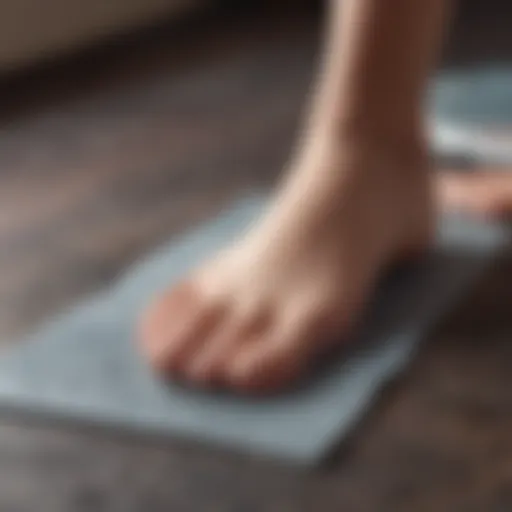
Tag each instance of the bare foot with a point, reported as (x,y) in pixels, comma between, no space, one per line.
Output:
(484,192)
(254,318)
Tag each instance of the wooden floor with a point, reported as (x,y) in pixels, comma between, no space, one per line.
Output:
(104,157)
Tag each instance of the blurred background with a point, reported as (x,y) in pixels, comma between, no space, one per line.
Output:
(124,122)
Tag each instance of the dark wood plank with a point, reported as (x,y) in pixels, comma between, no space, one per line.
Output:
(103,158)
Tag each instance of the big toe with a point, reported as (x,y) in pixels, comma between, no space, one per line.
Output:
(174,327)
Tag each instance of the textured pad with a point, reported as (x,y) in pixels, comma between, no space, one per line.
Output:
(84,365)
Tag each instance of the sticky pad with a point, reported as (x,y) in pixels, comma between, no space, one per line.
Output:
(84,365)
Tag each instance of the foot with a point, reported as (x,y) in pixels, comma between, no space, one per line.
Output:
(254,318)
(484,193)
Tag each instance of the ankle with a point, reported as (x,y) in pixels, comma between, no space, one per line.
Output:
(399,132)
(348,144)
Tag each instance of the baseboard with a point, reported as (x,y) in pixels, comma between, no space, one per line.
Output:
(33,29)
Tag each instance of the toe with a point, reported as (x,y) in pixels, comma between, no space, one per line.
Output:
(243,326)
(168,306)
(266,367)
(277,360)
(186,339)
(176,327)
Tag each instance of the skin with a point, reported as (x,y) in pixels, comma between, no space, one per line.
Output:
(486,192)
(356,198)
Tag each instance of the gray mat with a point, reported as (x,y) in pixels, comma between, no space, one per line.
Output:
(471,113)
(84,366)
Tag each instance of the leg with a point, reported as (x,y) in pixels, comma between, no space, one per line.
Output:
(355,199)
